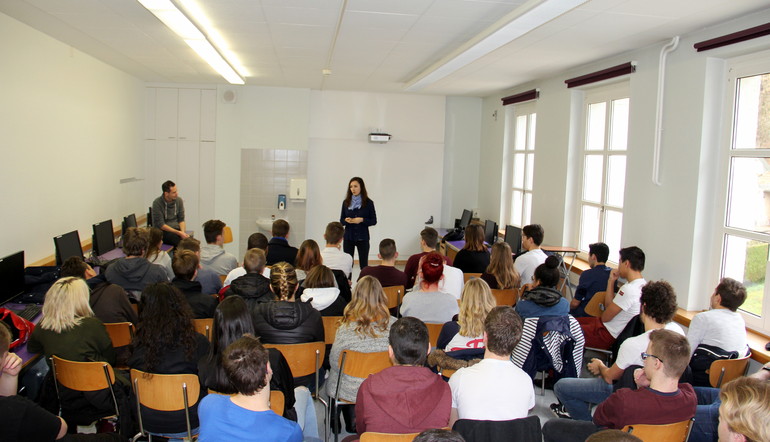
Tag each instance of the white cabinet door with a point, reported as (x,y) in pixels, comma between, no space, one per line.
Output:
(206,180)
(166,110)
(151,187)
(208,115)
(188,168)
(189,114)
(149,113)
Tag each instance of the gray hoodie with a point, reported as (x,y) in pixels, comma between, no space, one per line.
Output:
(214,258)
(135,274)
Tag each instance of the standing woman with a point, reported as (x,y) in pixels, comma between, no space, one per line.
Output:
(357,215)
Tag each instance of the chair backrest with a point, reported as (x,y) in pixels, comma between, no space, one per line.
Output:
(227,235)
(165,392)
(331,323)
(506,297)
(723,371)
(361,365)
(447,372)
(526,429)
(303,359)
(467,276)
(204,326)
(371,436)
(222,278)
(676,432)
(120,333)
(595,305)
(83,376)
(433,331)
(394,294)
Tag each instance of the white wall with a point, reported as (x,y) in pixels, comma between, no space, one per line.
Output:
(673,223)
(72,128)
(461,159)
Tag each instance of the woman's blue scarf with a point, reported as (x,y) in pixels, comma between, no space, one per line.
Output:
(355,202)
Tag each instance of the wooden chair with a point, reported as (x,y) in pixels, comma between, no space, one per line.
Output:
(467,276)
(723,371)
(595,306)
(164,392)
(277,400)
(371,436)
(227,235)
(331,323)
(204,326)
(676,432)
(83,376)
(506,297)
(394,294)
(433,331)
(358,365)
(222,278)
(121,333)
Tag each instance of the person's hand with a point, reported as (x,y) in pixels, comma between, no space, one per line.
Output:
(183,235)
(526,287)
(595,366)
(640,378)
(11,364)
(349,220)
(614,275)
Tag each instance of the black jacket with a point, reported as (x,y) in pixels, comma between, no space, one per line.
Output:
(203,306)
(358,232)
(253,288)
(279,250)
(284,322)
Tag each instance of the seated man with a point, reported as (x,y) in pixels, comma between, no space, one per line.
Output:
(108,301)
(407,397)
(134,272)
(278,248)
(255,241)
(253,287)
(332,255)
(660,399)
(428,243)
(601,332)
(168,214)
(213,255)
(592,280)
(531,238)
(245,416)
(210,282)
(185,265)
(719,331)
(386,272)
(495,388)
(577,394)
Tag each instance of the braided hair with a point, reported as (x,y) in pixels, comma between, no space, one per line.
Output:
(283,281)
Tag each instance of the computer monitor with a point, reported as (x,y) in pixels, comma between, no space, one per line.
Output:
(104,237)
(67,245)
(513,238)
(128,221)
(11,276)
(490,232)
(466,218)
(149,217)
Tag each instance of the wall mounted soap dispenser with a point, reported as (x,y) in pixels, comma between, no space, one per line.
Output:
(282,202)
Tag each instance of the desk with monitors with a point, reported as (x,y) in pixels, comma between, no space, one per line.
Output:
(11,289)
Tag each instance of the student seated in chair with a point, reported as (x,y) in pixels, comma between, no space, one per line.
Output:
(428,243)
(407,397)
(332,255)
(185,265)
(213,255)
(592,280)
(168,214)
(278,248)
(255,241)
(386,272)
(135,272)
(245,416)
(108,301)
(210,282)
(531,238)
(252,286)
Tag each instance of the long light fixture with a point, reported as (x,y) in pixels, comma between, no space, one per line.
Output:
(177,21)
(518,22)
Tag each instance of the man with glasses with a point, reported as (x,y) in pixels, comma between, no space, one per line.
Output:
(659,399)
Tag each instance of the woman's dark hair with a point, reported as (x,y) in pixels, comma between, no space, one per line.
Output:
(364,195)
(548,272)
(432,267)
(474,238)
(165,322)
(319,277)
(308,256)
(156,238)
(232,320)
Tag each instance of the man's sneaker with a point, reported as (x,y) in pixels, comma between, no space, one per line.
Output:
(560,411)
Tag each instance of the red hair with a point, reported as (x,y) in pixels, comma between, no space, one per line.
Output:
(432,267)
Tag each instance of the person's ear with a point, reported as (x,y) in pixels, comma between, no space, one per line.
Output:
(391,355)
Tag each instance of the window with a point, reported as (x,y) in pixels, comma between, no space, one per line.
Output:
(604,167)
(522,161)
(745,230)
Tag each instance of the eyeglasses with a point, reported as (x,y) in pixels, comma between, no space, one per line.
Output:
(647,355)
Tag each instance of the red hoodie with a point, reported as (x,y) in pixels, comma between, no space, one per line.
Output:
(403,399)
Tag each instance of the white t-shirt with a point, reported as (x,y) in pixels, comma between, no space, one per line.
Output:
(627,298)
(527,263)
(460,342)
(719,327)
(336,259)
(492,390)
(630,352)
(452,283)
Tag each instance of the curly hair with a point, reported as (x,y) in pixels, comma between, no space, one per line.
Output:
(165,322)
(658,301)
(501,266)
(283,280)
(368,308)
(476,303)
(308,256)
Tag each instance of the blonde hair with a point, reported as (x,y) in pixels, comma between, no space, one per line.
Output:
(283,280)
(254,260)
(476,303)
(66,304)
(368,308)
(501,266)
(745,406)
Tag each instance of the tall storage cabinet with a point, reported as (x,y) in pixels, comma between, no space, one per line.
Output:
(180,145)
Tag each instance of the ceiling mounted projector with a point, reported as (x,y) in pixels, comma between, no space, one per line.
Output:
(379,138)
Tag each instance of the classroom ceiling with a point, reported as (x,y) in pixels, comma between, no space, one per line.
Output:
(369,45)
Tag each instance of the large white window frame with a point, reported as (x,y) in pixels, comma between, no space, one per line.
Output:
(741,203)
(521,123)
(603,149)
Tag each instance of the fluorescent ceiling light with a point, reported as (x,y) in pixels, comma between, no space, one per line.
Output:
(178,22)
(518,22)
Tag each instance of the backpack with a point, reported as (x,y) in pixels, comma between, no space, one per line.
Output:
(20,328)
(701,362)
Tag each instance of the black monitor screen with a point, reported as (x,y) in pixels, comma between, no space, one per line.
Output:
(11,276)
(67,245)
(104,237)
(466,218)
(513,238)
(490,232)
(128,221)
